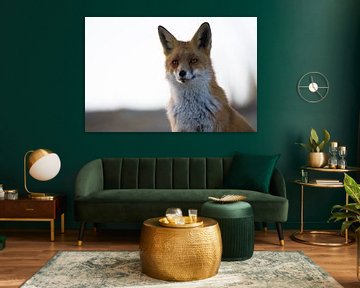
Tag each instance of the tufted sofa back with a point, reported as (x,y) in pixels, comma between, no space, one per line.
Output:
(164,173)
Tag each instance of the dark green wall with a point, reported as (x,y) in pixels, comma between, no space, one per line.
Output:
(42,88)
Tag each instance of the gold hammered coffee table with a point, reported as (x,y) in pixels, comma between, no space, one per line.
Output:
(180,254)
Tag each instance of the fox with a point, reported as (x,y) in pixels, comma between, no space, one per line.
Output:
(197,103)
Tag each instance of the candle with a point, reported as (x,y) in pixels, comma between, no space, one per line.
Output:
(342,149)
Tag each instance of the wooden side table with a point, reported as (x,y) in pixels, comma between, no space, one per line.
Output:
(26,209)
(297,236)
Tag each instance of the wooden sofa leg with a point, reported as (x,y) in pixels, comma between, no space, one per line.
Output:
(81,233)
(265,227)
(280,233)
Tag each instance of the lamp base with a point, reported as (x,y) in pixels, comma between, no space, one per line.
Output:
(41,196)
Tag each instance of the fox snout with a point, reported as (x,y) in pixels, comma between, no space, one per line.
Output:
(183,76)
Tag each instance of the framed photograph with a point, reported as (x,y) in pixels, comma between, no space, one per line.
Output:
(170,74)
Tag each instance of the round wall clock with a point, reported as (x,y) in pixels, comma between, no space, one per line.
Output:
(313,87)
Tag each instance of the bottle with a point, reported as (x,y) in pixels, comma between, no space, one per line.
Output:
(2,192)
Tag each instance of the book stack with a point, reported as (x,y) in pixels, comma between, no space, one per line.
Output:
(328,181)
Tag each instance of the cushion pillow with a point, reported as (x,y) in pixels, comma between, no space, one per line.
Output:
(251,172)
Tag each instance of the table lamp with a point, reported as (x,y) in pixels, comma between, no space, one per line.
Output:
(43,165)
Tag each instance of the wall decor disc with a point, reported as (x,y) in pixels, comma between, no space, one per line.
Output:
(313,87)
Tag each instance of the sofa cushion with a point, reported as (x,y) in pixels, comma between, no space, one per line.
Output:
(251,172)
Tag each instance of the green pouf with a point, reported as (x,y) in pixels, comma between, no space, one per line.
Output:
(2,242)
(236,221)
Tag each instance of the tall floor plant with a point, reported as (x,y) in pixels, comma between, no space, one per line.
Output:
(350,214)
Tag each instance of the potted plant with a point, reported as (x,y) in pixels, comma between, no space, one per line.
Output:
(317,157)
(350,214)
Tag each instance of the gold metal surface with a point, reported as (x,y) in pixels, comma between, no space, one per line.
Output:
(30,158)
(25,169)
(52,223)
(296,237)
(180,254)
(79,243)
(228,198)
(313,184)
(62,223)
(41,196)
(52,226)
(317,159)
(52,230)
(324,169)
(36,155)
(282,242)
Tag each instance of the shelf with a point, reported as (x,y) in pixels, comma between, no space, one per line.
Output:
(348,169)
(313,184)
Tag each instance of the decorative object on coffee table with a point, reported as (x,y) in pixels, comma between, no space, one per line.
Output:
(186,254)
(188,223)
(236,223)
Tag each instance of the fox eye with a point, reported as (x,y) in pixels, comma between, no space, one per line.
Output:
(175,63)
(193,60)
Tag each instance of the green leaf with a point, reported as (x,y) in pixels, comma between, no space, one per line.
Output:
(321,146)
(314,135)
(346,225)
(312,144)
(326,136)
(344,215)
(352,188)
(350,207)
(306,146)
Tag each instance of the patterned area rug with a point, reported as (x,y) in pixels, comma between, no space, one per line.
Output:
(122,269)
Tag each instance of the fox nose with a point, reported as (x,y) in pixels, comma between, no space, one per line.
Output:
(182,73)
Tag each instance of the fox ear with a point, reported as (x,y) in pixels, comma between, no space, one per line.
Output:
(168,41)
(202,37)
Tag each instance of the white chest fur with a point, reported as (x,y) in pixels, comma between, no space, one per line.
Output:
(192,107)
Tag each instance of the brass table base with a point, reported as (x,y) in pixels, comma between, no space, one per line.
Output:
(295,237)
(180,254)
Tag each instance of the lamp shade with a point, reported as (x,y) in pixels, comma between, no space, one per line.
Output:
(43,164)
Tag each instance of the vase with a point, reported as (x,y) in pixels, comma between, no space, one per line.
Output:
(317,159)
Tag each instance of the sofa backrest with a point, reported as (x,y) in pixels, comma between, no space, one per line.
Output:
(165,173)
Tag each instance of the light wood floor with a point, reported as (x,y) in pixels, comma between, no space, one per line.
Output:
(28,250)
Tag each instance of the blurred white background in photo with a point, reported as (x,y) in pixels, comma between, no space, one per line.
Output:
(124,60)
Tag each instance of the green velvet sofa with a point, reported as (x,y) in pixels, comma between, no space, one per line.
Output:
(130,190)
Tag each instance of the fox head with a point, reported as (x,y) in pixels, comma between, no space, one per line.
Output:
(187,61)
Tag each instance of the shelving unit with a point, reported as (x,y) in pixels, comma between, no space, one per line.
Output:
(297,235)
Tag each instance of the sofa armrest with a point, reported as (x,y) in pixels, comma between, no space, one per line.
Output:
(89,179)
(277,184)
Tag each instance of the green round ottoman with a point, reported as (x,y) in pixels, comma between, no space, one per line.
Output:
(236,221)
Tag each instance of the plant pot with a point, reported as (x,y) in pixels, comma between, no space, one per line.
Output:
(317,159)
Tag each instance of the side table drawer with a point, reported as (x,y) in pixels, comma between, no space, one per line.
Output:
(31,209)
